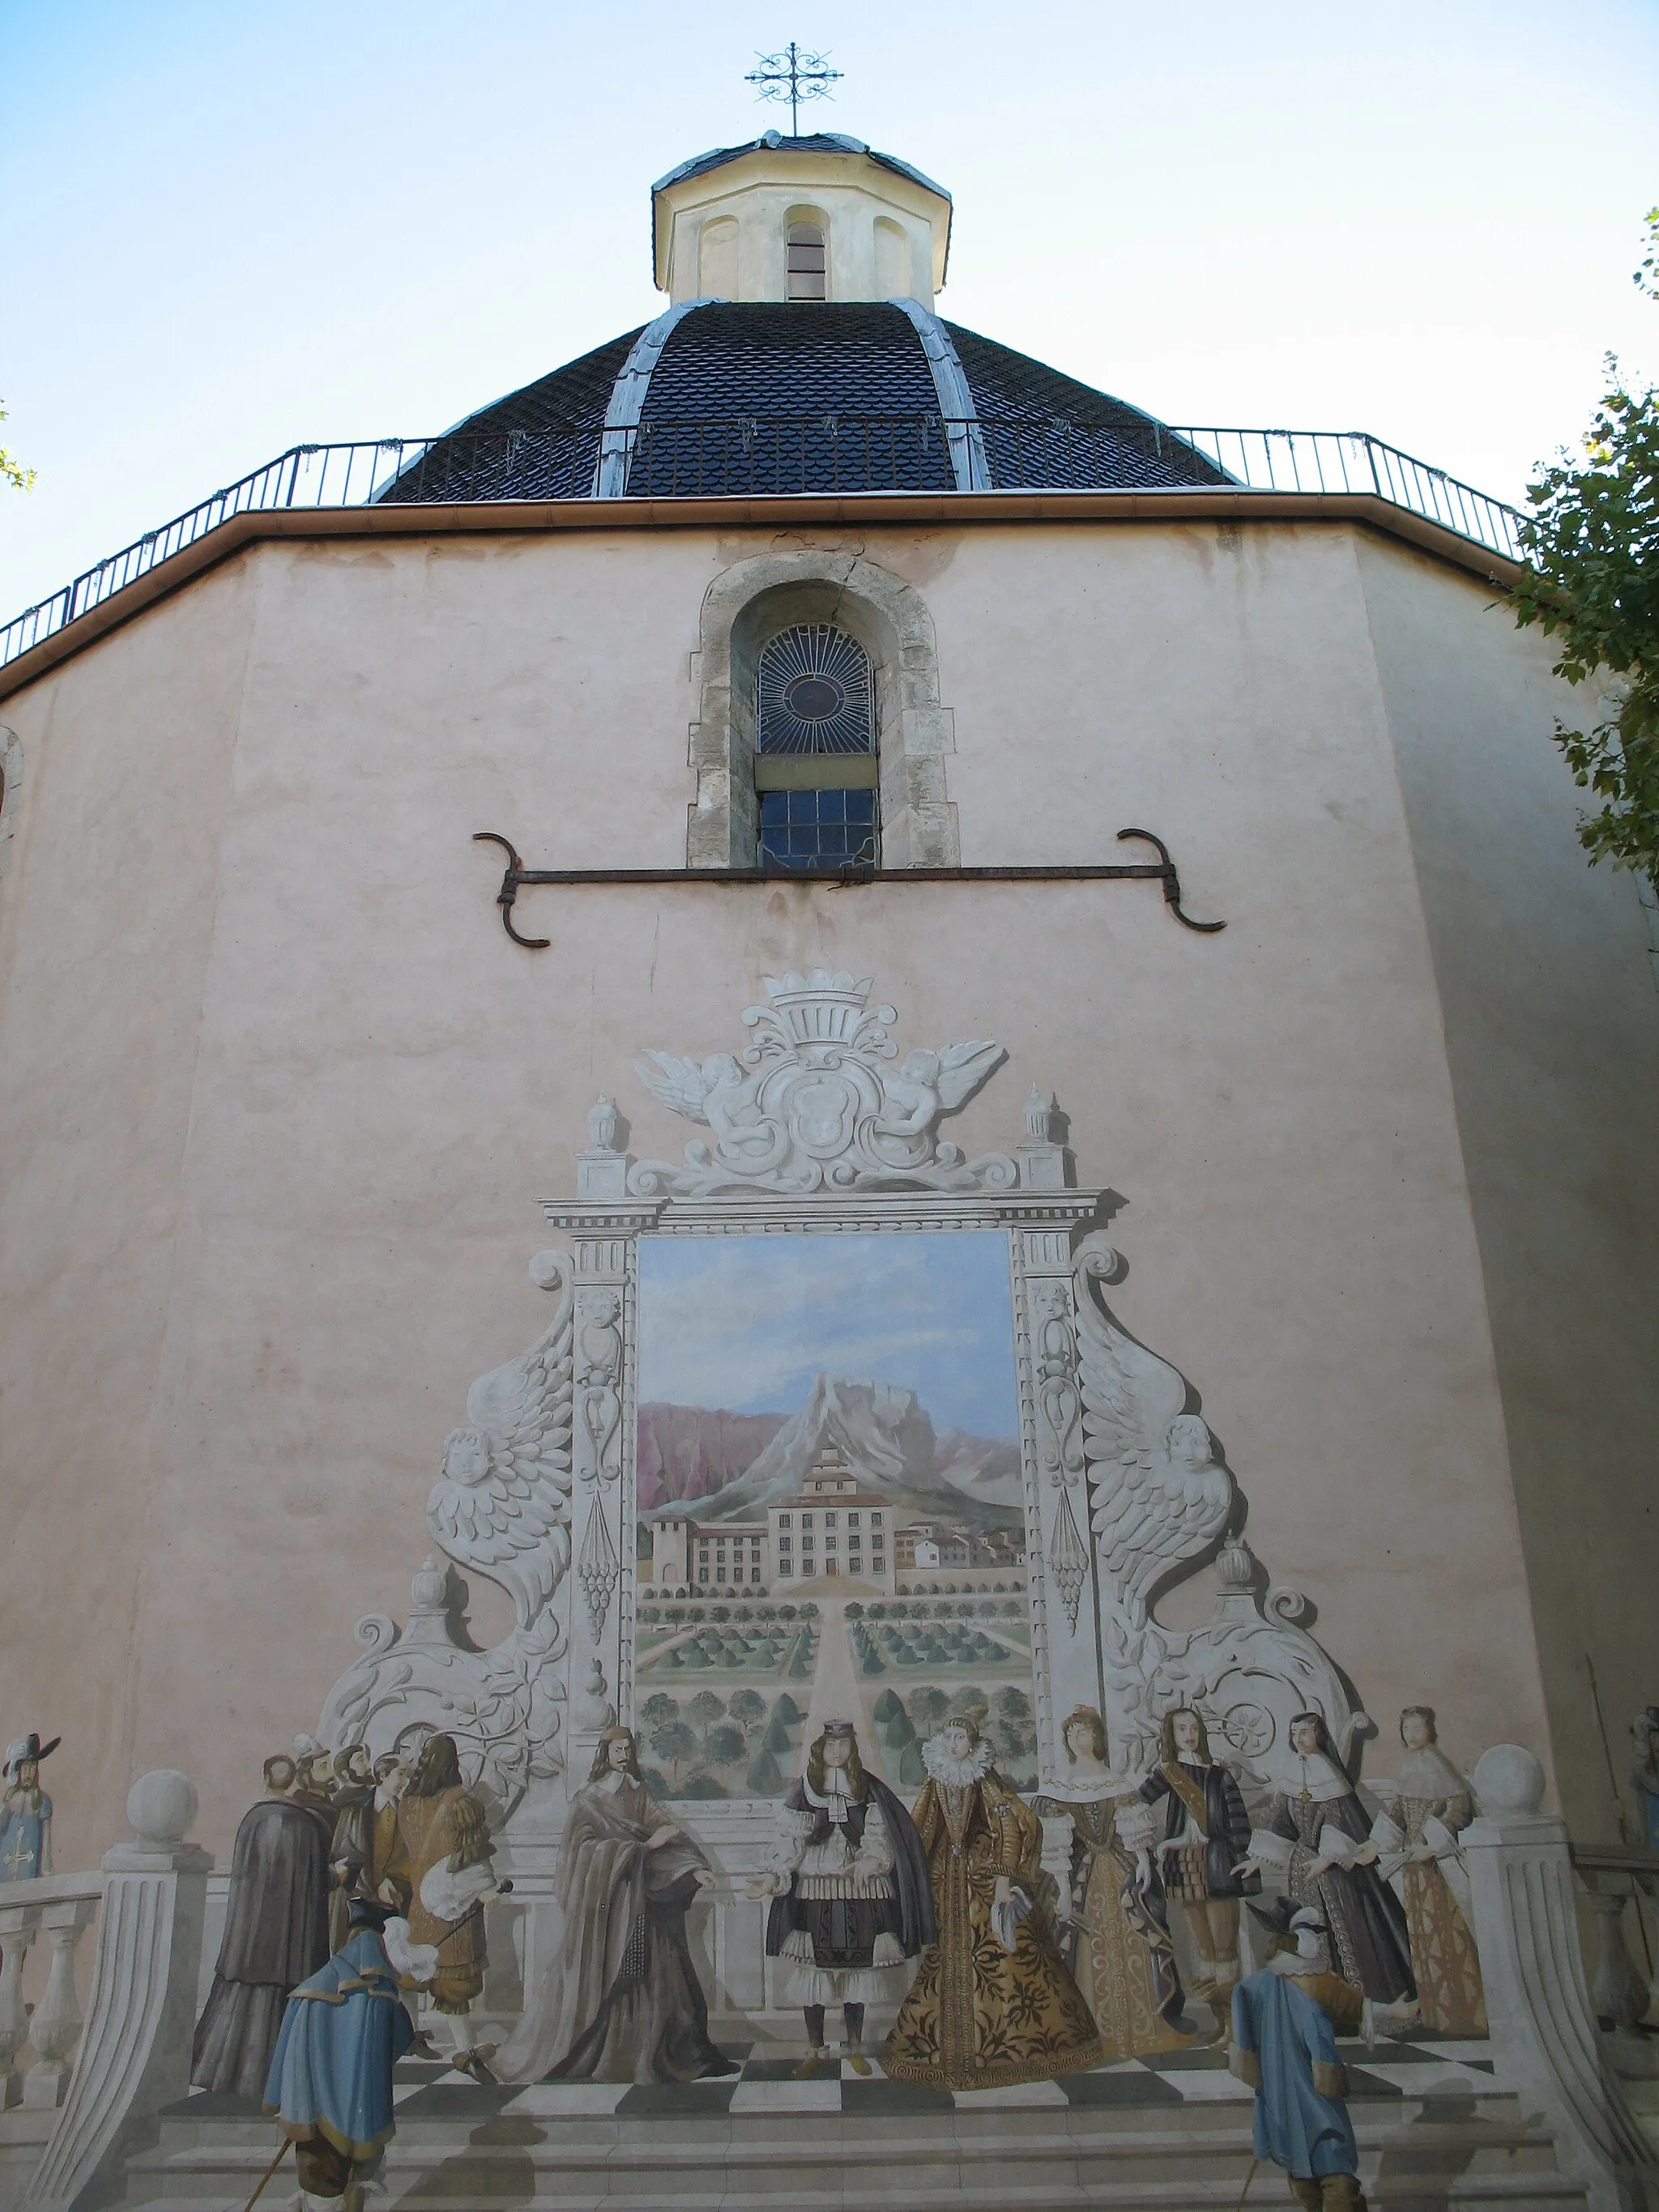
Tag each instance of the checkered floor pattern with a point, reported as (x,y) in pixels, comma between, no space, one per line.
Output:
(430,2090)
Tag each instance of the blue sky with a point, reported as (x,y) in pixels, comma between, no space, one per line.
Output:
(235,225)
(745,1323)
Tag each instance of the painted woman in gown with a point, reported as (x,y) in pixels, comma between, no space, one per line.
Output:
(992,2003)
(1421,1815)
(1333,1871)
(1117,1942)
(620,2000)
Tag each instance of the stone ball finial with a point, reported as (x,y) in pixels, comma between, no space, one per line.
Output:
(162,1808)
(1234,1566)
(1508,1778)
(547,1270)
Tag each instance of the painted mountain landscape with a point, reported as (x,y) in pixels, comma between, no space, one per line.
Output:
(757,1354)
(759,1358)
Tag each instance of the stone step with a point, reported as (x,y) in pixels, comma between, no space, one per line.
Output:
(1070,2159)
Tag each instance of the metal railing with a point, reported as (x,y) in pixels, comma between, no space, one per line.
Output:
(768,456)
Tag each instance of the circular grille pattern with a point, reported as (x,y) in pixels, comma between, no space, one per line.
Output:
(812,693)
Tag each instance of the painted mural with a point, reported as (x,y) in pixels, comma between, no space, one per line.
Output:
(830,1516)
(837,1737)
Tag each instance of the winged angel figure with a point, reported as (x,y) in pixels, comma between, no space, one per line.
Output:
(500,1508)
(1160,1495)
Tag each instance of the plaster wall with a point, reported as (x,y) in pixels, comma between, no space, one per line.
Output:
(1552,1024)
(318,1152)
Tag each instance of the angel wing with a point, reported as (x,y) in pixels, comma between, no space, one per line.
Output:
(680,1084)
(962,1068)
(1158,1494)
(502,1504)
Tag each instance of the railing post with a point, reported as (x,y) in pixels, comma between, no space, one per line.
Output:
(1543,2031)
(56,2027)
(18,1923)
(135,2057)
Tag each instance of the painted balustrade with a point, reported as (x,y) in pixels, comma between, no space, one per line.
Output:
(56,1910)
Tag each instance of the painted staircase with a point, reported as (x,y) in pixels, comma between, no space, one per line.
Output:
(1436,2129)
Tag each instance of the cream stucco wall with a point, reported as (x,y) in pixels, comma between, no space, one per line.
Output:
(280,1097)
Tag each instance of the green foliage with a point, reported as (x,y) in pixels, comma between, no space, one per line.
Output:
(912,1772)
(747,1707)
(888,1707)
(724,1745)
(705,1785)
(787,1710)
(673,1742)
(1592,583)
(12,470)
(658,1710)
(765,1776)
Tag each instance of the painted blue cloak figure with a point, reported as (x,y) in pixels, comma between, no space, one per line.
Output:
(26,1812)
(1285,2021)
(343,2033)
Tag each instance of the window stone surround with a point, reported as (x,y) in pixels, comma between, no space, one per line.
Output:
(746,605)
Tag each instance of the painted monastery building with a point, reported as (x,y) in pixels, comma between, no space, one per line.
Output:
(813,1008)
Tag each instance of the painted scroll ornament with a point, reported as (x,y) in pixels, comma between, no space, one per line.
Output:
(1160,1496)
(501,1508)
(813,1102)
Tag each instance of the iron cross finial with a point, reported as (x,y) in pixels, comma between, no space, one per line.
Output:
(794,75)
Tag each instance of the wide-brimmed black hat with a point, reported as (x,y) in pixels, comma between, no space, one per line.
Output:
(28,1748)
(1280,1918)
(364,1911)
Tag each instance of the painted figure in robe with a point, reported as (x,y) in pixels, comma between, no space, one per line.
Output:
(1417,1834)
(620,2000)
(1644,1776)
(1117,1942)
(993,2002)
(344,2030)
(276,1936)
(444,1838)
(1285,2021)
(1333,1870)
(851,1899)
(26,1812)
(1206,1849)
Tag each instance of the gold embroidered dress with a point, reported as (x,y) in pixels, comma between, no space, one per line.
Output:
(979,2015)
(1118,1947)
(1427,1807)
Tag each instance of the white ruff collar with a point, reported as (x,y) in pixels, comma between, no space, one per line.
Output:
(955,1773)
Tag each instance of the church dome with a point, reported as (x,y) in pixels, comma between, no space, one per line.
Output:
(801,353)
(761,396)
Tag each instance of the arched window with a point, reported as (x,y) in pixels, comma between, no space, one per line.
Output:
(807,261)
(815,750)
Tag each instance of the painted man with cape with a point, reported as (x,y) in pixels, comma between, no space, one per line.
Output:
(620,2000)
(1285,2021)
(344,2030)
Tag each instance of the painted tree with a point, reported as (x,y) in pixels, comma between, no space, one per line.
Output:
(674,1743)
(747,1707)
(1592,582)
(704,1709)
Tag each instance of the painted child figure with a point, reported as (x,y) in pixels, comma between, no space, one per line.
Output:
(26,1812)
(1285,2021)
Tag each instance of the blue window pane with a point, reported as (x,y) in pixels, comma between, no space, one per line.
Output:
(817,829)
